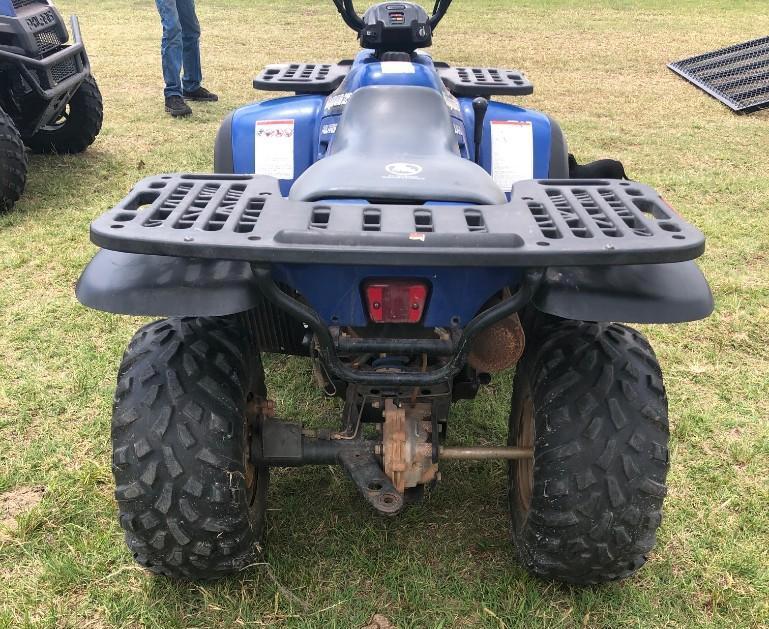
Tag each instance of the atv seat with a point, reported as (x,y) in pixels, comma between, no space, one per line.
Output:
(396,142)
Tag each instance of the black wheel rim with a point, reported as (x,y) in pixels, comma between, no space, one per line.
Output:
(524,468)
(250,471)
(59,122)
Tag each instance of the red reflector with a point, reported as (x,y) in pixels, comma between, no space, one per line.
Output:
(395,301)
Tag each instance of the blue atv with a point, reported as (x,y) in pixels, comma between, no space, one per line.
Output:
(411,238)
(49,101)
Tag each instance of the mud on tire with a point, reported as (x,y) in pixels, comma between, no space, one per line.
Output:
(190,503)
(590,398)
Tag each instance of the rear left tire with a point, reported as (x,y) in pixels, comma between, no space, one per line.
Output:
(190,501)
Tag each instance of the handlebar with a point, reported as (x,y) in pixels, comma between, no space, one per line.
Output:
(354,21)
(439,10)
(349,15)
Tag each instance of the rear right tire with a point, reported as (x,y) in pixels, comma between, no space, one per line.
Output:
(13,163)
(589,398)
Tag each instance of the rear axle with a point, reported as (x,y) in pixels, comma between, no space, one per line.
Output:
(381,469)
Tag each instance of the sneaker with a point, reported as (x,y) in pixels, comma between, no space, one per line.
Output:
(202,95)
(176,106)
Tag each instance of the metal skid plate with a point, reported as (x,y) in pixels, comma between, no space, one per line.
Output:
(466,81)
(316,78)
(738,75)
(546,223)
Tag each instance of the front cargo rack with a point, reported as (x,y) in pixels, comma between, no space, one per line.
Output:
(466,81)
(546,223)
(315,78)
(324,78)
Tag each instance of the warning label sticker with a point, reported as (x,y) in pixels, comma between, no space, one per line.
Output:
(274,148)
(512,152)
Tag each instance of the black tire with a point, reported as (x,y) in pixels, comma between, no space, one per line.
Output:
(191,504)
(78,127)
(590,398)
(13,163)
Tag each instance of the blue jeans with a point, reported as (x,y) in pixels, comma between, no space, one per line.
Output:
(180,46)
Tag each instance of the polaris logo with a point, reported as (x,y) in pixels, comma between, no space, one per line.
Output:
(403,169)
(41,20)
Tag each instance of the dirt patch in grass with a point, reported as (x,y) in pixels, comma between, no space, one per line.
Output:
(379,622)
(17,502)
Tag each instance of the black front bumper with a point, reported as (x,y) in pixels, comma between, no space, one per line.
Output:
(53,78)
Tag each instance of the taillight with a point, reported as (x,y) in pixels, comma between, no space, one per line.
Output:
(395,301)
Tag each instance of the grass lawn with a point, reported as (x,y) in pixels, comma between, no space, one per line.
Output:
(599,68)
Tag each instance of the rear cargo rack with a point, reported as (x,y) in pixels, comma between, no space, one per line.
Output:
(546,223)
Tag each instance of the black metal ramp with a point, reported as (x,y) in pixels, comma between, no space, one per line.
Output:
(738,75)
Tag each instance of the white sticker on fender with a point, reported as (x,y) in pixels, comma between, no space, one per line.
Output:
(512,152)
(397,67)
(274,148)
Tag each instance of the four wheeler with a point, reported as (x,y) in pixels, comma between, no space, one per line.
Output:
(410,237)
(48,98)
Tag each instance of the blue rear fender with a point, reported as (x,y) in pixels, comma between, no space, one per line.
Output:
(500,113)
(303,110)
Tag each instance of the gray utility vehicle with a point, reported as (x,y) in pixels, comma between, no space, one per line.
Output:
(48,99)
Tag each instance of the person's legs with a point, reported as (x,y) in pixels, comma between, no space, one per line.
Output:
(193,74)
(171,47)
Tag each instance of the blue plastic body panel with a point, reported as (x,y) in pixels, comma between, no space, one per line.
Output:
(7,10)
(456,294)
(335,291)
(367,71)
(303,110)
(540,125)
(315,127)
